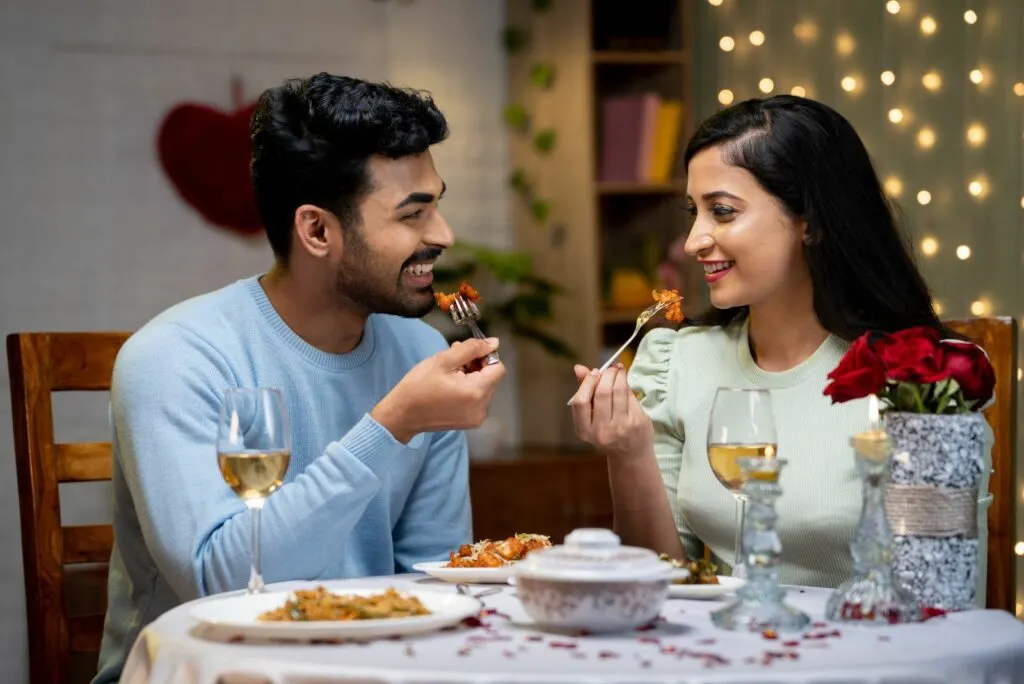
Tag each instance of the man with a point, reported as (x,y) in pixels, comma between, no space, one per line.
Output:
(348,194)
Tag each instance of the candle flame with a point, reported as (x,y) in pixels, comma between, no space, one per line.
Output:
(873,416)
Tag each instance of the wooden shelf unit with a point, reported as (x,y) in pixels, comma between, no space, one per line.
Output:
(598,49)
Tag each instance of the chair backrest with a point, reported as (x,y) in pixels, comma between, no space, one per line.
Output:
(57,557)
(998,337)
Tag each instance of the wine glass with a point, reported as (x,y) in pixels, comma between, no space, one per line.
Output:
(742,426)
(254,447)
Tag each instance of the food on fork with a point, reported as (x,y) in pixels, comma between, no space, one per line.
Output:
(701,571)
(495,554)
(445,299)
(674,301)
(309,605)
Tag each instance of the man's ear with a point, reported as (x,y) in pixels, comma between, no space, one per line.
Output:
(312,230)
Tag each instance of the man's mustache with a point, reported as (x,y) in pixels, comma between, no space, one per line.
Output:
(423,255)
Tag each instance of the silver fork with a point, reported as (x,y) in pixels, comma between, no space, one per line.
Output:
(465,312)
(641,320)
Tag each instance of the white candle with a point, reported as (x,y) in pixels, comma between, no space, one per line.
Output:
(873,416)
(874,442)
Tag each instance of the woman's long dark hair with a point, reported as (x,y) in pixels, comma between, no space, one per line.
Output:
(812,160)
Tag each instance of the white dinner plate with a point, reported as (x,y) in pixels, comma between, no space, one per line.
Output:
(438,570)
(726,585)
(238,616)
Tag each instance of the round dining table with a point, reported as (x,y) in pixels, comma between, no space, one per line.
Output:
(503,646)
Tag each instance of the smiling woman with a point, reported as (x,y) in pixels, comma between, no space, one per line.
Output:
(801,254)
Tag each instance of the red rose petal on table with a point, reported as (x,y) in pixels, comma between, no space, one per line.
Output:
(649,640)
(463,652)
(790,644)
(562,644)
(472,621)
(706,642)
(535,637)
(819,625)
(605,655)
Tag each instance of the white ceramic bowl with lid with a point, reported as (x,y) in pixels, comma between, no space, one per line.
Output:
(592,583)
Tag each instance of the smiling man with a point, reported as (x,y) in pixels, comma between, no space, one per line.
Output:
(348,193)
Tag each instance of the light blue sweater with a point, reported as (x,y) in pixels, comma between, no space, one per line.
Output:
(355,502)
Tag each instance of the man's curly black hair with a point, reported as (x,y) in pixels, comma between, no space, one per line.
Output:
(312,139)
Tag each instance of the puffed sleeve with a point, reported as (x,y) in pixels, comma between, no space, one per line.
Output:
(649,377)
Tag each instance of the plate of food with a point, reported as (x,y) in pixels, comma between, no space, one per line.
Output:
(702,582)
(485,562)
(320,613)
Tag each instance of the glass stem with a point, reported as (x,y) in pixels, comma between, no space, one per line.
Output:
(738,569)
(256,570)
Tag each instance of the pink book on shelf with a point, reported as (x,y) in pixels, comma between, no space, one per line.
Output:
(627,130)
(648,131)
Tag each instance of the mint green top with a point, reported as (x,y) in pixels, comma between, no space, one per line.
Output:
(677,373)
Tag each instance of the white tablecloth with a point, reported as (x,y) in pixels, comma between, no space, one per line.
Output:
(978,646)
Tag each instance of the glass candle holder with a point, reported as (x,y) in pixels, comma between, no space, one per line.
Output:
(759,604)
(872,595)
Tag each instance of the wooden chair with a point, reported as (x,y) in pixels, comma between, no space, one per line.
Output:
(58,560)
(998,337)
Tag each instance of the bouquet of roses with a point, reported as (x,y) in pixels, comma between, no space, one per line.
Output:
(915,371)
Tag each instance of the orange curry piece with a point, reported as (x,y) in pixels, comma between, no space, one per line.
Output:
(494,554)
(674,310)
(445,300)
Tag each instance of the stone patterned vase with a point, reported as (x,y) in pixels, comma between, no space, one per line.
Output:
(931,501)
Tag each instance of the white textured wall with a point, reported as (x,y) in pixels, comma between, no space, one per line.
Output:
(93,237)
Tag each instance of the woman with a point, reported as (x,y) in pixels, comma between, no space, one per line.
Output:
(801,254)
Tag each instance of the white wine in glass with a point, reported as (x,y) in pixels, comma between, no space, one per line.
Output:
(742,426)
(253,452)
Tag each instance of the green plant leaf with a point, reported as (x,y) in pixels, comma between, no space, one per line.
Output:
(544,141)
(515,38)
(542,5)
(519,181)
(516,117)
(551,344)
(541,210)
(506,266)
(542,75)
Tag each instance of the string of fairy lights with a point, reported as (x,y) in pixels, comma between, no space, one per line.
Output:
(977,185)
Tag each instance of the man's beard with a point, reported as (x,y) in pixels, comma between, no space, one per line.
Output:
(367,284)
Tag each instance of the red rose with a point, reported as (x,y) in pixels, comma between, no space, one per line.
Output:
(859,373)
(969,366)
(913,355)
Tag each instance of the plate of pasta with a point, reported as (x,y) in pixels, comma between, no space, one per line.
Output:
(486,561)
(321,613)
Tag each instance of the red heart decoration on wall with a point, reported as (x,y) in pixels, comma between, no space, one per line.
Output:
(205,154)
